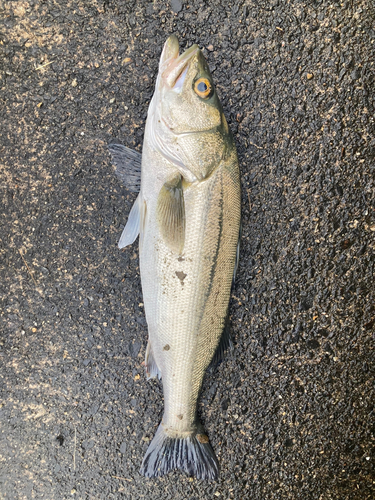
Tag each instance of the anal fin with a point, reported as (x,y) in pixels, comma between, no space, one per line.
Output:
(152,369)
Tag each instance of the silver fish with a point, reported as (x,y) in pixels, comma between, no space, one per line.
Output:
(187,215)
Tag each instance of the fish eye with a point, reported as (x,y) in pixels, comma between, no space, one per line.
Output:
(203,87)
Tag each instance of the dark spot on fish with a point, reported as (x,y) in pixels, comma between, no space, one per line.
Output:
(60,439)
(166,348)
(181,276)
(180,417)
(202,438)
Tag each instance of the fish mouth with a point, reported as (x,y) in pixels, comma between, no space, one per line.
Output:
(174,74)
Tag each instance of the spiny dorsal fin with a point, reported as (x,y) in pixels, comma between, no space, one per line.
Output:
(128,166)
(171,214)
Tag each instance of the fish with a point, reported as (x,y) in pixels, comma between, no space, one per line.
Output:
(187,215)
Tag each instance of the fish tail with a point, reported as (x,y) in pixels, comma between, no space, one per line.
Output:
(193,455)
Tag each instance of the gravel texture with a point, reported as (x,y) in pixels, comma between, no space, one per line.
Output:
(289,411)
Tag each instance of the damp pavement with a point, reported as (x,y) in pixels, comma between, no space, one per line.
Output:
(289,411)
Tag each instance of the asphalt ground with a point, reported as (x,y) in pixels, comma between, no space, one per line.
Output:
(289,411)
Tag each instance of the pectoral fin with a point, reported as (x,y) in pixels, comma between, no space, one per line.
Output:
(128,166)
(171,214)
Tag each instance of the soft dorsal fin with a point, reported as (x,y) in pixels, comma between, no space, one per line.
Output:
(237,256)
(128,166)
(171,214)
(225,343)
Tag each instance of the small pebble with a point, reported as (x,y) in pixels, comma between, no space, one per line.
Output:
(176,6)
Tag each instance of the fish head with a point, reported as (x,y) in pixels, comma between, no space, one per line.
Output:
(189,102)
(188,123)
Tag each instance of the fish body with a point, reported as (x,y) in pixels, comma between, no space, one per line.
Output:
(188,216)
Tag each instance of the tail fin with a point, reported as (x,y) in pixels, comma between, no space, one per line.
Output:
(193,455)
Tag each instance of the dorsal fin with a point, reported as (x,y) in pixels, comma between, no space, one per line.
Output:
(225,343)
